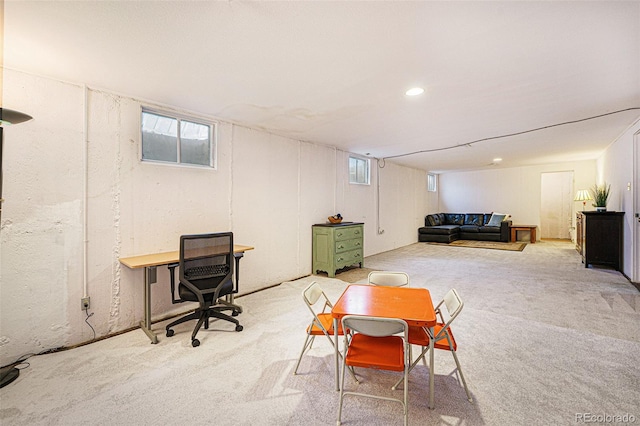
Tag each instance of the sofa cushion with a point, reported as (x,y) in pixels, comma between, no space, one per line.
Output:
(433,220)
(453,219)
(469,228)
(442,219)
(489,229)
(496,218)
(487,218)
(434,238)
(474,219)
(439,230)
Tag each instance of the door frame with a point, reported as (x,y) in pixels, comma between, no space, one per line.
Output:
(635,247)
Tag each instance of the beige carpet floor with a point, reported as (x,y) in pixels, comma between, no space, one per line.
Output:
(542,341)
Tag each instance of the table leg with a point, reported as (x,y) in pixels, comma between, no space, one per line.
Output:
(145,324)
(431,367)
(513,235)
(335,334)
(533,235)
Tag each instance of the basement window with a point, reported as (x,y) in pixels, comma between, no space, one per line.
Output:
(359,170)
(168,138)
(432,182)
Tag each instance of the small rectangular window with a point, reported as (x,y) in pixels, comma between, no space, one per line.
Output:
(173,139)
(358,170)
(432,182)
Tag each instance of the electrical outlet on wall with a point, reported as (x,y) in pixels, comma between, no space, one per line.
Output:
(86,303)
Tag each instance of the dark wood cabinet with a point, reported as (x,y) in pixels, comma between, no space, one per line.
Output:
(599,238)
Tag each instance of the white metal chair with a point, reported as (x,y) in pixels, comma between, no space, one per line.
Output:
(443,335)
(389,279)
(378,343)
(322,321)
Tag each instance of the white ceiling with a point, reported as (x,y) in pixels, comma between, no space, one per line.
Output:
(335,73)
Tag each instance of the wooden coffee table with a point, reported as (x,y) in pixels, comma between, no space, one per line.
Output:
(530,228)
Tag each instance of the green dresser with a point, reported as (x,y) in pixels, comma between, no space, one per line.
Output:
(336,246)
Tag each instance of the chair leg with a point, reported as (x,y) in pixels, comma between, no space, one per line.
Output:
(192,316)
(421,356)
(344,367)
(227,305)
(464,383)
(217,314)
(352,372)
(203,317)
(307,344)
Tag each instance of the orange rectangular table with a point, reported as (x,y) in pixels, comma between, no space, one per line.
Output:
(413,305)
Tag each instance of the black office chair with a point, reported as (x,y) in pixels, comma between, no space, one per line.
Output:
(206,275)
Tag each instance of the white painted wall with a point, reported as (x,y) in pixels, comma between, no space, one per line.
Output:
(267,189)
(615,167)
(515,191)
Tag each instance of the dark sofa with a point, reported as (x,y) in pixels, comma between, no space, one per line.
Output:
(448,227)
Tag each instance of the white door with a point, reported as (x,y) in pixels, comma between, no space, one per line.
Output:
(556,205)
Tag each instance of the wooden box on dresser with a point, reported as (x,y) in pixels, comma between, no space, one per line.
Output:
(599,238)
(336,245)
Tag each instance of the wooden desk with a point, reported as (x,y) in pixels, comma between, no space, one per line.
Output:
(413,305)
(150,262)
(530,228)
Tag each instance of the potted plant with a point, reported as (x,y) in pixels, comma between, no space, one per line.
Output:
(600,196)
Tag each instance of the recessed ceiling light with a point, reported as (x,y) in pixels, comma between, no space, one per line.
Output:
(415,91)
(497,160)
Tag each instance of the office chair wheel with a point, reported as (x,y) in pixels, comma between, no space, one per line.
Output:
(235,313)
(195,343)
(238,327)
(170,333)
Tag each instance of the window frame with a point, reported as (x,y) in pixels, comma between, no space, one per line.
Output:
(213,139)
(432,182)
(367,162)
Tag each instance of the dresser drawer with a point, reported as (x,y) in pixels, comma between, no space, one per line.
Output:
(342,246)
(348,233)
(348,258)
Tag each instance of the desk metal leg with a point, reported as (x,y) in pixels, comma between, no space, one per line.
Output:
(150,277)
(229,297)
(431,367)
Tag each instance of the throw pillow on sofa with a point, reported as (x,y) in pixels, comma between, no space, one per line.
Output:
(496,218)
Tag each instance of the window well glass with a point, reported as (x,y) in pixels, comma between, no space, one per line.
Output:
(358,170)
(177,140)
(159,138)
